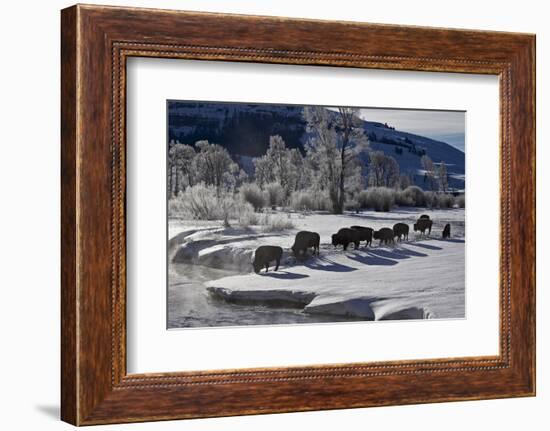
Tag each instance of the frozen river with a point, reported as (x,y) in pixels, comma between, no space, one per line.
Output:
(190,305)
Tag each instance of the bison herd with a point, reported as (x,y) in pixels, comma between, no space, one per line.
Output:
(304,240)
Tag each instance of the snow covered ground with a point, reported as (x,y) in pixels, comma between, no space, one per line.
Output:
(420,279)
(417,279)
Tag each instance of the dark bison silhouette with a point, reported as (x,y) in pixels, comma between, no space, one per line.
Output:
(424,216)
(345,237)
(385,235)
(422,225)
(401,230)
(305,239)
(265,254)
(365,233)
(447,231)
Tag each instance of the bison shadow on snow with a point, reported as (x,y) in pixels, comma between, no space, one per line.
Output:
(284,275)
(382,257)
(325,264)
(369,259)
(429,247)
(455,240)
(397,253)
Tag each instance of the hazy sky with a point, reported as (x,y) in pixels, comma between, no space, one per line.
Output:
(446,126)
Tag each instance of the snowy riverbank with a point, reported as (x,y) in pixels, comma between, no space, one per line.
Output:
(416,280)
(421,278)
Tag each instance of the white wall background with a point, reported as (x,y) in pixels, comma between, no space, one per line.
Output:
(29,215)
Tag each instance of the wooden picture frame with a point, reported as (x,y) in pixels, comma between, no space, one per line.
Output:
(95,43)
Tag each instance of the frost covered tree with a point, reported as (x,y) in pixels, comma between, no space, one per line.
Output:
(322,152)
(275,193)
(181,170)
(262,171)
(352,141)
(404,181)
(279,160)
(226,205)
(280,165)
(337,137)
(214,166)
(298,175)
(429,171)
(252,194)
(443,177)
(241,178)
(376,166)
(383,170)
(354,184)
(391,172)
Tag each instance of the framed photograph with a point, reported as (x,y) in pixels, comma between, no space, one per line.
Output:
(260,216)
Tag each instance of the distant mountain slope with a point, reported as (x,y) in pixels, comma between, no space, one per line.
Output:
(413,146)
(244,129)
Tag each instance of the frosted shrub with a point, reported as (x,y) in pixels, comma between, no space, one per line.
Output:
(227,207)
(252,194)
(200,202)
(362,199)
(439,200)
(383,199)
(461,201)
(176,208)
(379,198)
(323,202)
(301,200)
(431,199)
(411,196)
(276,223)
(310,200)
(402,199)
(352,205)
(445,200)
(275,194)
(246,216)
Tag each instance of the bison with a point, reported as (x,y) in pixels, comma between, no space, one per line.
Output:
(447,231)
(346,236)
(401,230)
(365,233)
(303,241)
(424,216)
(422,225)
(265,254)
(385,235)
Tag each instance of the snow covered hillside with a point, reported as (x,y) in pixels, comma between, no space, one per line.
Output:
(406,148)
(244,130)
